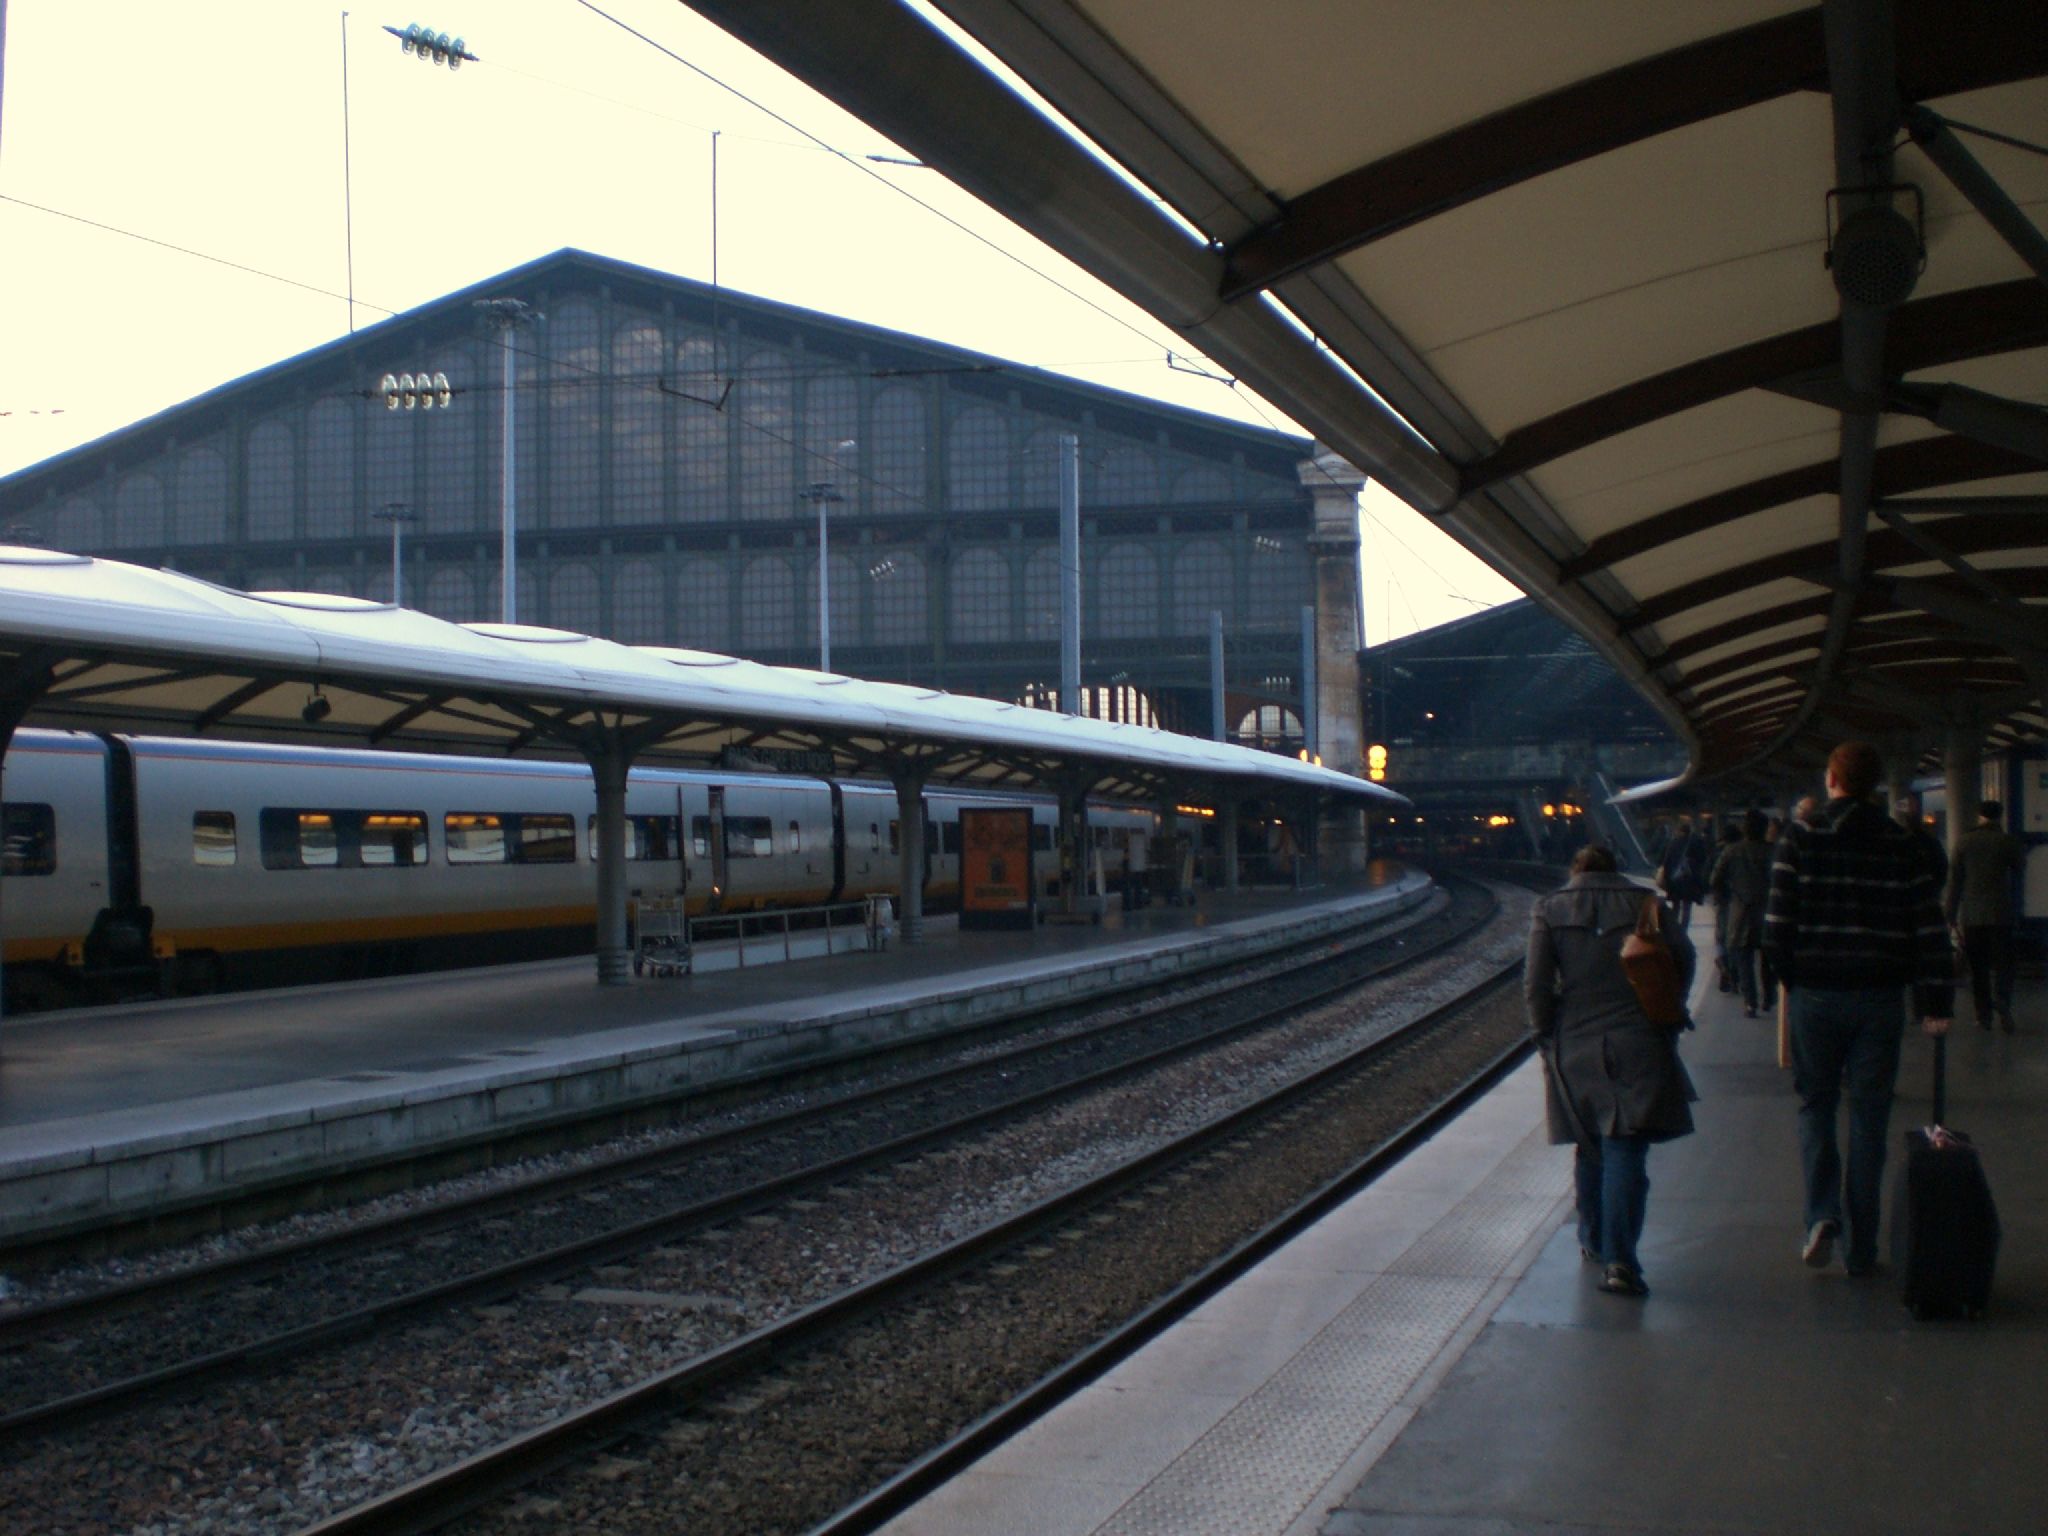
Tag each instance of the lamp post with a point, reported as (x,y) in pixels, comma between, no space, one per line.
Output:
(821,493)
(507,316)
(397,514)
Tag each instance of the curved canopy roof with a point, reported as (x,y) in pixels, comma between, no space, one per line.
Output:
(1589,252)
(100,644)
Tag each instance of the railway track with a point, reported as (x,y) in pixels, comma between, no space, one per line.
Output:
(71,1362)
(811,1424)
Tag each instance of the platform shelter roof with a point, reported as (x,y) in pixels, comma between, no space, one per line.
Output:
(1721,328)
(99,644)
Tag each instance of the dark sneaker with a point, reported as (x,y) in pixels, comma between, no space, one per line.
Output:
(1620,1280)
(1819,1251)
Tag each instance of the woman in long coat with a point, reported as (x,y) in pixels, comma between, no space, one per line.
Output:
(1615,1083)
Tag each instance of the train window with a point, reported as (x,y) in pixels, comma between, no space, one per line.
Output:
(473,837)
(391,839)
(874,837)
(796,838)
(295,839)
(895,836)
(1041,836)
(749,837)
(647,837)
(544,839)
(28,838)
(700,836)
(213,838)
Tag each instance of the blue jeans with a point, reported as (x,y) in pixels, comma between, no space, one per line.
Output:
(1613,1188)
(1846,1039)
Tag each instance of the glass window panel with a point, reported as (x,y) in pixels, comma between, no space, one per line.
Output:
(978,460)
(271,487)
(572,599)
(330,473)
(1042,594)
(393,439)
(138,513)
(700,836)
(1039,468)
(529,596)
(473,837)
(340,583)
(450,487)
(749,837)
(832,417)
(1124,598)
(28,838)
(897,599)
(636,417)
(450,594)
(544,839)
(695,405)
(767,606)
(392,839)
(79,526)
(796,838)
(202,515)
(981,596)
(845,599)
(299,839)
(897,449)
(639,616)
(764,409)
(1202,581)
(213,839)
(1204,484)
(704,607)
(1126,477)
(1277,581)
(647,838)
(575,406)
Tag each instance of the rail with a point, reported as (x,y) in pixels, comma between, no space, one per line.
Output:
(678,944)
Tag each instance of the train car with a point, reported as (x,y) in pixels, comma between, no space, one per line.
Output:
(142,865)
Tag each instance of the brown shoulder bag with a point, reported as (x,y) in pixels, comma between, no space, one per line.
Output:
(1652,970)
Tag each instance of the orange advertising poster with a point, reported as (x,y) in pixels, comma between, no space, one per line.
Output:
(995,867)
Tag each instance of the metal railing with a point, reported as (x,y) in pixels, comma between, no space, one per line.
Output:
(791,933)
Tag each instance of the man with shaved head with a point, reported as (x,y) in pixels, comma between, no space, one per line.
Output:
(1853,919)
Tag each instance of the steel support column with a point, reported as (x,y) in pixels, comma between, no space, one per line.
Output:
(609,767)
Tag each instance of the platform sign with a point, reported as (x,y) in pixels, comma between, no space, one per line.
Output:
(996,888)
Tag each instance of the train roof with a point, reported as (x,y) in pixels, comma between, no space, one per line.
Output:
(104,645)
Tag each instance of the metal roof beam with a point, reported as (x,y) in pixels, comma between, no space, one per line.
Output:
(2009,424)
(1938,142)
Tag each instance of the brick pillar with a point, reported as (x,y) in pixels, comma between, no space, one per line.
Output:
(1333,547)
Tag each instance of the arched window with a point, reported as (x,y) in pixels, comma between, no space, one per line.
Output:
(529,597)
(330,473)
(639,615)
(1206,483)
(897,450)
(138,513)
(1124,600)
(704,607)
(448,438)
(767,607)
(450,594)
(832,417)
(79,526)
(1127,477)
(636,423)
(202,518)
(763,411)
(1202,580)
(1119,702)
(1039,469)
(698,390)
(270,482)
(572,598)
(575,402)
(845,594)
(978,461)
(1277,582)
(980,605)
(897,598)
(393,438)
(1042,594)
(1268,725)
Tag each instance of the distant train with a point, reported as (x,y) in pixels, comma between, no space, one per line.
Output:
(146,864)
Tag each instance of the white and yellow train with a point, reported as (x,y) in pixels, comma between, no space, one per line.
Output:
(138,863)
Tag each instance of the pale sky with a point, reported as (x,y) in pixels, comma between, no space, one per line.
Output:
(176,210)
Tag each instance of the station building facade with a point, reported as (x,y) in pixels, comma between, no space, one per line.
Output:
(672,445)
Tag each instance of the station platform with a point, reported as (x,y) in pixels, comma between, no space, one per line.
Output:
(133,1111)
(1434,1358)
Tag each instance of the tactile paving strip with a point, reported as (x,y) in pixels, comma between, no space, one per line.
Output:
(1259,1466)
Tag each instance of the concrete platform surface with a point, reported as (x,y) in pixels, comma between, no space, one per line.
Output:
(1435,1360)
(123,1111)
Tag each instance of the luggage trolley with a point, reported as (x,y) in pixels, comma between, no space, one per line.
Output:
(664,937)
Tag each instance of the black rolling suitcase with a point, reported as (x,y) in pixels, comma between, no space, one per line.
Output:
(1944,1222)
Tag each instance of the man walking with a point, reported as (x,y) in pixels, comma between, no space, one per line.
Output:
(1980,909)
(1854,916)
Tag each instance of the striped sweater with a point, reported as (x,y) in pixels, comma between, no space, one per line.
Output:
(1854,904)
